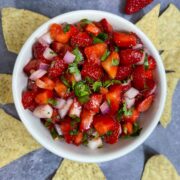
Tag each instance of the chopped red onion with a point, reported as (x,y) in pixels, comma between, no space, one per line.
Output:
(142,59)
(59,103)
(43,66)
(64,110)
(137,46)
(77,77)
(43,111)
(131,93)
(58,129)
(46,39)
(37,74)
(129,102)
(75,109)
(49,53)
(95,143)
(104,107)
(69,57)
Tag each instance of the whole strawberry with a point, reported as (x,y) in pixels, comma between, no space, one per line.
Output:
(133,6)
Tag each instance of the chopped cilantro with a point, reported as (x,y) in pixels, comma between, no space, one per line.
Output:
(119,114)
(89,80)
(127,112)
(97,85)
(52,102)
(136,130)
(81,89)
(146,64)
(115,62)
(108,101)
(49,120)
(65,82)
(73,132)
(83,99)
(66,28)
(73,68)
(54,134)
(86,21)
(109,133)
(108,83)
(78,54)
(96,40)
(116,49)
(105,55)
(102,36)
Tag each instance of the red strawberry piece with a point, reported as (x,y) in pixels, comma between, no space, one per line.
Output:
(32,65)
(92,28)
(114,136)
(148,74)
(75,109)
(151,62)
(45,83)
(55,116)
(94,103)
(43,97)
(133,117)
(133,6)
(38,50)
(106,26)
(78,138)
(73,30)
(124,39)
(145,104)
(151,87)
(138,77)
(103,124)
(28,99)
(57,67)
(125,87)
(129,56)
(86,119)
(123,72)
(113,97)
(95,52)
(32,86)
(82,39)
(56,46)
(91,70)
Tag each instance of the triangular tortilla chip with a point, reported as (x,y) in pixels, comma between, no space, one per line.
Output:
(15,141)
(6,89)
(70,170)
(149,25)
(169,29)
(18,25)
(159,168)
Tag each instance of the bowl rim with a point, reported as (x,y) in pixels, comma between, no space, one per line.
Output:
(108,156)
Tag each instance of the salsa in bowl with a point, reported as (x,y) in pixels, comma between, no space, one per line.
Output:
(89,82)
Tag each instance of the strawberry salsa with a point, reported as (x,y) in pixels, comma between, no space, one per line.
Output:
(88,83)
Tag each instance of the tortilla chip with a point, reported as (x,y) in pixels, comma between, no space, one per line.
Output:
(171,86)
(171,61)
(70,170)
(15,141)
(159,168)
(149,25)
(6,89)
(169,29)
(18,25)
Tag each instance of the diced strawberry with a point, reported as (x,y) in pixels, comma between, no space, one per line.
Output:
(91,70)
(45,83)
(32,85)
(78,138)
(148,74)
(54,30)
(43,97)
(92,28)
(103,90)
(124,39)
(109,65)
(145,104)
(130,56)
(56,46)
(150,88)
(94,103)
(28,99)
(114,98)
(127,128)
(60,88)
(95,52)
(151,63)
(75,109)
(123,72)
(133,6)
(138,77)
(55,116)
(103,124)
(57,67)
(82,39)
(125,87)
(133,117)
(106,26)
(114,136)
(73,30)
(32,65)
(38,50)
(86,119)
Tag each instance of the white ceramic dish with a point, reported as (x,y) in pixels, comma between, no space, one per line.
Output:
(83,154)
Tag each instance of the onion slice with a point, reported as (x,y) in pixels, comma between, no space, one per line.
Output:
(69,57)
(49,53)
(58,129)
(37,74)
(131,93)
(95,143)
(137,46)
(45,39)
(43,66)
(43,111)
(129,102)
(59,103)
(104,107)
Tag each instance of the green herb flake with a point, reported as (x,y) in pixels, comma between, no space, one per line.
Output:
(136,130)
(49,120)
(127,112)
(96,86)
(120,114)
(73,68)
(65,82)
(52,102)
(81,89)
(66,28)
(73,132)
(116,49)
(78,54)
(115,62)
(105,55)
(108,101)
(83,99)
(146,63)
(108,83)
(89,80)
(85,139)
(54,134)
(103,36)
(109,133)
(85,21)
(96,40)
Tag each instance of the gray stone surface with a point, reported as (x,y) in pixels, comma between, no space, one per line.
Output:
(42,164)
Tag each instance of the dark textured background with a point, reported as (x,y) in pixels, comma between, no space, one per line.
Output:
(41,164)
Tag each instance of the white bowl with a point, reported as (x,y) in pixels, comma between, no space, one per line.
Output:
(83,154)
